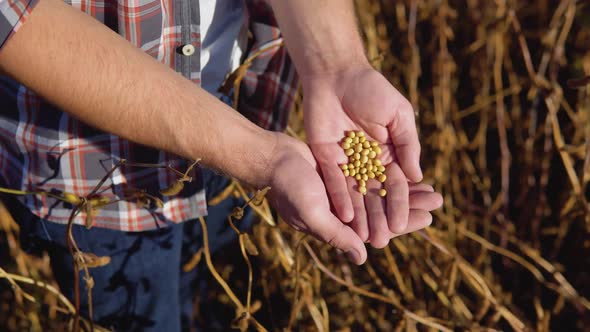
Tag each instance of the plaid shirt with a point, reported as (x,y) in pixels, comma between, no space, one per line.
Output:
(42,148)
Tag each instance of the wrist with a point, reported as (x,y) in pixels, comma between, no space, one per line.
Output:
(252,165)
(263,170)
(286,148)
(333,77)
(321,36)
(313,63)
(230,144)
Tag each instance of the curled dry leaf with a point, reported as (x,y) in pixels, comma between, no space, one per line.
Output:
(90,213)
(157,202)
(174,189)
(71,198)
(259,197)
(99,201)
(91,260)
(249,245)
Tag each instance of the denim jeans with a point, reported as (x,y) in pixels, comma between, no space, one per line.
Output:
(143,288)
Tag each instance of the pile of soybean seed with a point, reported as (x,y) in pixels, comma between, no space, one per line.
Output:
(363,163)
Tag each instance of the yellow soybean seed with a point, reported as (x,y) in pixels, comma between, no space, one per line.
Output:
(363,160)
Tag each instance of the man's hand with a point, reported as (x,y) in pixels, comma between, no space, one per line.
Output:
(166,111)
(362,99)
(299,195)
(342,93)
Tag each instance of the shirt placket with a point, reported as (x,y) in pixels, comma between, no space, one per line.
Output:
(187,63)
(188,52)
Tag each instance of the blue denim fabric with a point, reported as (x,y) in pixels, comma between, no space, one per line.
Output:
(143,288)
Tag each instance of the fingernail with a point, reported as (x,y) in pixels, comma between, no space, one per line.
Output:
(354,256)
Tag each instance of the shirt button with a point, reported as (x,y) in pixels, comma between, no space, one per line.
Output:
(188,50)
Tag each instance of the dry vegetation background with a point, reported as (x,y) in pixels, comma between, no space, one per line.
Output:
(503,102)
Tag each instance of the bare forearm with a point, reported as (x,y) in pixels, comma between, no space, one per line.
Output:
(92,73)
(321,35)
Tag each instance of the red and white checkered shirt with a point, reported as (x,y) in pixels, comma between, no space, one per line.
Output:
(43,148)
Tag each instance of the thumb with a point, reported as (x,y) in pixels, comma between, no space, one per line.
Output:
(331,230)
(404,137)
(328,157)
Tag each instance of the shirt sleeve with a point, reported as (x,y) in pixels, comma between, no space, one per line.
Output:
(13,14)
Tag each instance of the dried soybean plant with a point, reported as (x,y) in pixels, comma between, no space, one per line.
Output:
(500,91)
(501,95)
(508,148)
(88,205)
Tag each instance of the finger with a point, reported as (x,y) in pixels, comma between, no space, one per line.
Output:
(377,220)
(418,220)
(424,200)
(404,137)
(331,230)
(398,205)
(419,187)
(359,221)
(337,188)
(329,156)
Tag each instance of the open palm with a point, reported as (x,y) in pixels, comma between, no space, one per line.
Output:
(362,99)
(298,194)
